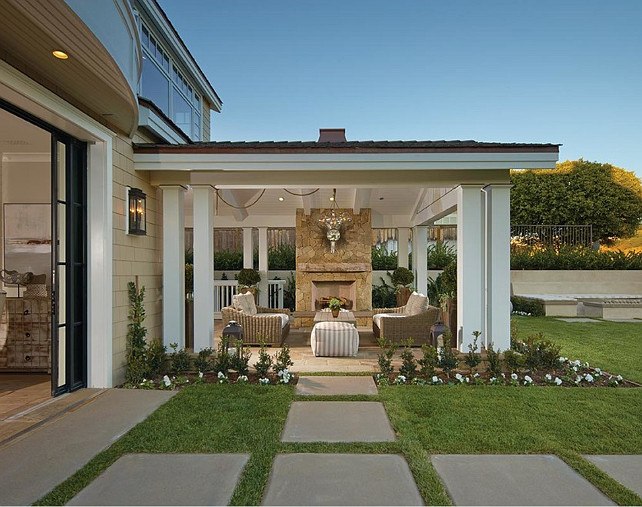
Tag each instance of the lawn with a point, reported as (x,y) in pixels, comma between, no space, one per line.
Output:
(428,420)
(615,347)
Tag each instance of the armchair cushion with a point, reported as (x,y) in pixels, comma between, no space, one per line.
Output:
(378,316)
(417,303)
(285,318)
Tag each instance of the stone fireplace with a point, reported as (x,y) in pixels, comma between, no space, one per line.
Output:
(345,273)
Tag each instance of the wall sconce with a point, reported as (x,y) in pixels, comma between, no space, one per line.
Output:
(137,201)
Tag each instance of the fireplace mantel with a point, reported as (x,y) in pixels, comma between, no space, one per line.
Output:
(334,267)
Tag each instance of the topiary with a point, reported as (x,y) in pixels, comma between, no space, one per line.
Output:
(402,276)
(248,277)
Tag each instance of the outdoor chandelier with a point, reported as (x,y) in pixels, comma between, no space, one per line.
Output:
(332,221)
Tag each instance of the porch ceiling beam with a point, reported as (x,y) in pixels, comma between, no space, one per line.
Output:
(360,199)
(348,179)
(419,202)
(438,208)
(232,198)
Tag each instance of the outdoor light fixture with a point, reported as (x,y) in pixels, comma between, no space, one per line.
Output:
(61,55)
(333,221)
(137,201)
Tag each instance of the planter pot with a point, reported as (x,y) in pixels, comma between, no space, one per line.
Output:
(403,294)
(335,312)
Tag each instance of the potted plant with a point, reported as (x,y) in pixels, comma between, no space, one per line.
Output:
(248,280)
(402,278)
(335,307)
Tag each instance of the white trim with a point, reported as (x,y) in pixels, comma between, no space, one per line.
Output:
(328,162)
(25,93)
(149,119)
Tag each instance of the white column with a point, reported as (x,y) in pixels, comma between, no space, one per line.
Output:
(203,197)
(403,236)
(248,248)
(263,266)
(173,265)
(420,258)
(470,268)
(497,265)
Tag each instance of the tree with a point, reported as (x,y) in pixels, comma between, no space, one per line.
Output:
(579,192)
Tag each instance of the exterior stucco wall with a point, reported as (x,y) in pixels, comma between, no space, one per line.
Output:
(135,258)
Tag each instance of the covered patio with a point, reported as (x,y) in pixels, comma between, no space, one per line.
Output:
(406,185)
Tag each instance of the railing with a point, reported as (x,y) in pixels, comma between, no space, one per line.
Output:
(224,290)
(551,235)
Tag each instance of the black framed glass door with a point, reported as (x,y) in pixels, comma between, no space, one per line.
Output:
(69,264)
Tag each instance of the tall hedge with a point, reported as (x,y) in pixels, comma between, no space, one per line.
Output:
(579,192)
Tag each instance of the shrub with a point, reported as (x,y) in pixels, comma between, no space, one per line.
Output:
(248,277)
(189,278)
(180,359)
(241,359)
(204,361)
(574,258)
(402,276)
(223,361)
(534,307)
(282,359)
(289,292)
(472,357)
(494,362)
(514,360)
(156,356)
(136,368)
(282,257)
(440,255)
(382,259)
(264,362)
(408,363)
(448,359)
(227,260)
(384,359)
(538,352)
(383,296)
(428,361)
(447,281)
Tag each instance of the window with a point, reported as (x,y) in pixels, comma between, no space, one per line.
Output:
(166,86)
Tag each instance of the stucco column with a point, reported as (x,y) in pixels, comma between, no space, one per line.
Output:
(470,266)
(263,266)
(248,248)
(497,269)
(403,236)
(420,258)
(173,265)
(203,205)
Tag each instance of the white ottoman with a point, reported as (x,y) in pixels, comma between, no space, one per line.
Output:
(334,339)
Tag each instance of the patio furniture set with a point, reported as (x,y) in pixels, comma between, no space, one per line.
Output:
(333,336)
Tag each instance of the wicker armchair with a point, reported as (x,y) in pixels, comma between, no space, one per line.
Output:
(398,329)
(260,327)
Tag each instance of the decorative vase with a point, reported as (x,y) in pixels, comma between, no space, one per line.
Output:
(335,312)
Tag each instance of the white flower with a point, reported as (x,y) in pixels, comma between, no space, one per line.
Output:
(562,359)
(264,381)
(598,370)
(221,374)
(558,381)
(503,375)
(574,368)
(577,362)
(588,377)
(476,375)
(242,378)
(200,374)
(435,379)
(513,376)
(548,377)
(527,380)
(459,377)
(578,379)
(586,365)
(619,377)
(401,379)
(167,381)
(467,380)
(493,380)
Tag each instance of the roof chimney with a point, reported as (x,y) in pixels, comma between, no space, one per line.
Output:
(332,136)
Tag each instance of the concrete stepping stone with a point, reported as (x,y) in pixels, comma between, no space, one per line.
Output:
(337,421)
(341,479)
(166,479)
(625,469)
(532,479)
(335,385)
(577,319)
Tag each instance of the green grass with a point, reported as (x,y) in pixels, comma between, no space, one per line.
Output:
(509,420)
(612,346)
(567,422)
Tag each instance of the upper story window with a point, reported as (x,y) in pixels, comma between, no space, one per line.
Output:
(166,86)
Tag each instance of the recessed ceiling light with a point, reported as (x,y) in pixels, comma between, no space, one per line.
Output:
(61,55)
(281,199)
(332,198)
(381,198)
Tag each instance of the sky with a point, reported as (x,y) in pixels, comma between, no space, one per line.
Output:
(566,71)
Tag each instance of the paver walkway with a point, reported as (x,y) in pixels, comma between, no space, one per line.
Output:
(30,466)
(166,479)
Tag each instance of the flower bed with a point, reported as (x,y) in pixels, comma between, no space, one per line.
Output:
(176,382)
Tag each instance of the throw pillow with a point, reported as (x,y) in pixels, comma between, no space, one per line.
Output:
(417,303)
(246,303)
(35,290)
